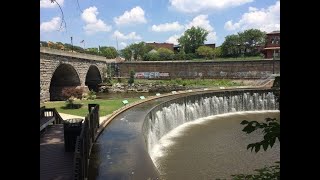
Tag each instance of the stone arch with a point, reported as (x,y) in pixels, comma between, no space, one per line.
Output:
(64,75)
(93,78)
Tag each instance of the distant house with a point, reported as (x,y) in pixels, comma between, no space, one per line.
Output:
(210,45)
(161,45)
(177,48)
(272,47)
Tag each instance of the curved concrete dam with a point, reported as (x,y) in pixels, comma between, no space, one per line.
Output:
(125,149)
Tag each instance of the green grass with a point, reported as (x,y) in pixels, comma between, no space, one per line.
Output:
(109,105)
(193,82)
(106,106)
(232,59)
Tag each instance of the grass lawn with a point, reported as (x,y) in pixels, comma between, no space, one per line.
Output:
(106,106)
(193,82)
(232,59)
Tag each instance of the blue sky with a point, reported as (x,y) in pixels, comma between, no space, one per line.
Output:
(104,22)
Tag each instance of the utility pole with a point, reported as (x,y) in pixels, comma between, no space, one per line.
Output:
(273,61)
(71,44)
(117,47)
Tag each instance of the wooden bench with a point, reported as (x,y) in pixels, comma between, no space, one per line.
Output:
(49,116)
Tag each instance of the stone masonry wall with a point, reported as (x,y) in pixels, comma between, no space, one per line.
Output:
(49,63)
(184,69)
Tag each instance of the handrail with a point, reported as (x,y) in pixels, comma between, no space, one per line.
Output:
(85,142)
(55,117)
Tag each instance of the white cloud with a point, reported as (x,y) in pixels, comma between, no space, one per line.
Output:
(200,21)
(48,4)
(264,19)
(173,39)
(130,36)
(211,38)
(123,44)
(196,6)
(252,9)
(175,26)
(93,25)
(134,16)
(50,26)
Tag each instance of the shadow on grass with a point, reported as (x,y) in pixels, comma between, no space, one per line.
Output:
(72,106)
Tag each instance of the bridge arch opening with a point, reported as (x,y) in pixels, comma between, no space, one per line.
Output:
(64,76)
(93,78)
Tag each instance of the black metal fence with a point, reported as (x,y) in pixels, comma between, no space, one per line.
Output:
(84,143)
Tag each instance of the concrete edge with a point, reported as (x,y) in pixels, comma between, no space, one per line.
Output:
(105,122)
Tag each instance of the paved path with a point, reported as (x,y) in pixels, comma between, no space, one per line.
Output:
(55,163)
(69,116)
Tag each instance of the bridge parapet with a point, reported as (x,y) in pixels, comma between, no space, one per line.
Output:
(75,55)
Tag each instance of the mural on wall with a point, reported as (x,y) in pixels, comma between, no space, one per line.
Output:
(151,75)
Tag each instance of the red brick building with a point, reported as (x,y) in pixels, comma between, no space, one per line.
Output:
(161,45)
(272,48)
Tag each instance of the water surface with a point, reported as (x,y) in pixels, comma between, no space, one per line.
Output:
(213,147)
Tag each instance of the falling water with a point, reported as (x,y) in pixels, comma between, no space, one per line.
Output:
(172,114)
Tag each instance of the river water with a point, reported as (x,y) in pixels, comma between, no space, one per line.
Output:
(213,147)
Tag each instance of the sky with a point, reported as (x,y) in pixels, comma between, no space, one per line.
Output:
(123,22)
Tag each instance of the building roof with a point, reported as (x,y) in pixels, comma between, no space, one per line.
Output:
(274,32)
(271,48)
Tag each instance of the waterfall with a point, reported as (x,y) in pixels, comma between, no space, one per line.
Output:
(171,114)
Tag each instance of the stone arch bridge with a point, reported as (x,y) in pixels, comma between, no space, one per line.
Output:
(59,69)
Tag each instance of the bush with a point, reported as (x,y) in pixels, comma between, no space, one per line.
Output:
(151,57)
(190,56)
(179,56)
(74,92)
(91,95)
(131,79)
(165,54)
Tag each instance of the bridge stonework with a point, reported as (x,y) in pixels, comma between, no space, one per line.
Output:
(77,65)
(50,60)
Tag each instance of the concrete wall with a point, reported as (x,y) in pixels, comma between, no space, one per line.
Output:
(185,69)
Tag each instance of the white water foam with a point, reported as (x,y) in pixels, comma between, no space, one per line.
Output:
(160,149)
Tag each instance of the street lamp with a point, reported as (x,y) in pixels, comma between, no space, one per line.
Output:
(273,61)
(71,44)
(239,51)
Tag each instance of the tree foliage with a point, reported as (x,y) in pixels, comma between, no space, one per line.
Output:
(108,52)
(266,173)
(243,43)
(217,52)
(165,54)
(126,53)
(271,131)
(205,51)
(151,56)
(135,51)
(192,39)
(131,79)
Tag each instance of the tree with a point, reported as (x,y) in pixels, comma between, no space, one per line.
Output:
(165,54)
(245,42)
(217,52)
(250,39)
(131,79)
(231,46)
(205,51)
(271,131)
(192,39)
(126,53)
(135,51)
(108,52)
(151,56)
